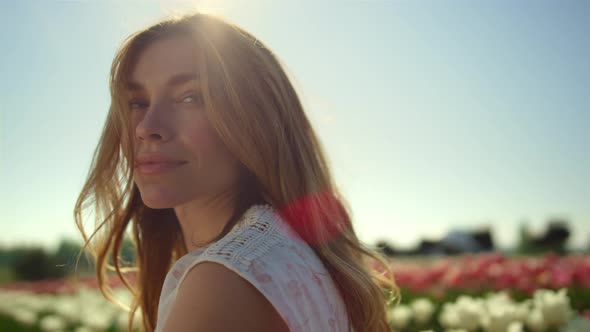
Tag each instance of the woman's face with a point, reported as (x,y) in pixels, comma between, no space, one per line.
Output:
(179,157)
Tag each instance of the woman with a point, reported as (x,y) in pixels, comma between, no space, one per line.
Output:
(207,153)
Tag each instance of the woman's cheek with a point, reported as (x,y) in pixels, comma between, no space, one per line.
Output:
(200,137)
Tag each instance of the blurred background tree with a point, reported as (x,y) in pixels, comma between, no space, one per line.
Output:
(553,239)
(35,264)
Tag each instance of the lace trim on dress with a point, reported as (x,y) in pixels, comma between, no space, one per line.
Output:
(255,235)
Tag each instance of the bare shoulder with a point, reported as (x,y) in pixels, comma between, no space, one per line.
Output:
(215,298)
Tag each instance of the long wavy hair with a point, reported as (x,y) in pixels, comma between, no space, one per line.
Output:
(255,110)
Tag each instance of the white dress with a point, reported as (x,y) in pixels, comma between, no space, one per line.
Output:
(263,249)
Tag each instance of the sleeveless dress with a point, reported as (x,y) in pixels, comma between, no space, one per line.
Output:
(264,250)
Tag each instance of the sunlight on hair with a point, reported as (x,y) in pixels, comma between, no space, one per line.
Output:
(179,8)
(258,116)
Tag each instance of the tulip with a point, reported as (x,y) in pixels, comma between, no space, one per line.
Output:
(561,276)
(449,317)
(400,316)
(522,310)
(83,329)
(498,318)
(67,308)
(52,323)
(535,321)
(24,316)
(422,309)
(515,327)
(470,311)
(554,306)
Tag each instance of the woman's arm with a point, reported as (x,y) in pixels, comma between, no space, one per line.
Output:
(214,298)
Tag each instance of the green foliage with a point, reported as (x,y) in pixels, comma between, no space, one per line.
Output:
(126,253)
(36,264)
(6,275)
(9,255)
(9,324)
(66,254)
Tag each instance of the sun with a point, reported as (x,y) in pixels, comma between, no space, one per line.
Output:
(211,7)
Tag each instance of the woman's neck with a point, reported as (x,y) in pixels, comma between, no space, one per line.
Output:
(201,220)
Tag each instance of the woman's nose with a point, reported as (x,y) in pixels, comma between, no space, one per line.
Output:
(152,127)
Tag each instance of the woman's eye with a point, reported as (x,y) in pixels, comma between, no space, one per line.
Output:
(141,104)
(135,104)
(193,98)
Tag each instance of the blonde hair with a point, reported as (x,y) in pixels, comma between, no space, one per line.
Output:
(257,114)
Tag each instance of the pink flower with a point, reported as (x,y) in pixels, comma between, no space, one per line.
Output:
(561,276)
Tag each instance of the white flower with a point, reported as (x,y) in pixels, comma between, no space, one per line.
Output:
(515,327)
(499,298)
(522,310)
(497,319)
(535,321)
(98,316)
(555,306)
(400,316)
(449,317)
(67,308)
(52,323)
(470,312)
(502,312)
(423,310)
(24,316)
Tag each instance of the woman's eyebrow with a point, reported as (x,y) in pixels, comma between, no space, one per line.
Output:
(175,80)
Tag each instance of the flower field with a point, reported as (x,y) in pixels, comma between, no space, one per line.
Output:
(63,305)
(493,293)
(490,293)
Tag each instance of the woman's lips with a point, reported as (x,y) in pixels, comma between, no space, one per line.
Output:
(157,167)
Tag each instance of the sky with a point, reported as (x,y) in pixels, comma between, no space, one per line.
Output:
(435,115)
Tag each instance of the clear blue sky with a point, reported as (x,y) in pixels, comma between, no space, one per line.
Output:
(434,114)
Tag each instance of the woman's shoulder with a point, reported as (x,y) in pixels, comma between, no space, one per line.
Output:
(253,235)
(261,246)
(263,238)
(264,250)
(267,252)
(260,229)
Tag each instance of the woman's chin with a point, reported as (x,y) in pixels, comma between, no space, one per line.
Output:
(153,204)
(157,200)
